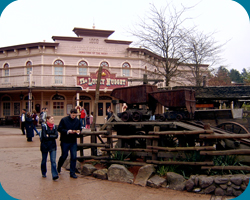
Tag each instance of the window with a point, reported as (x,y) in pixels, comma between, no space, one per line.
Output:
(58,71)
(126,69)
(100,109)
(28,63)
(58,108)
(6,106)
(29,71)
(104,64)
(82,67)
(6,73)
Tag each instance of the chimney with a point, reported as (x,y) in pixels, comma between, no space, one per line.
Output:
(204,81)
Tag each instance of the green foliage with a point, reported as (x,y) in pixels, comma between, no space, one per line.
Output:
(163,169)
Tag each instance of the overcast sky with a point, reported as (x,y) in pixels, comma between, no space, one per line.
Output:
(27,21)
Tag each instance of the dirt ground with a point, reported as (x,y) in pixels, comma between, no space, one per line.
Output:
(20,176)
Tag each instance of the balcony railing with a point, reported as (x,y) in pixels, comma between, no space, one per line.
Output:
(37,81)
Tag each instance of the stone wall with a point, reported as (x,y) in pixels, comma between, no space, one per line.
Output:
(226,185)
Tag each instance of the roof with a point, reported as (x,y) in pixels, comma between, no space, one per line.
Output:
(29,45)
(92,32)
(219,92)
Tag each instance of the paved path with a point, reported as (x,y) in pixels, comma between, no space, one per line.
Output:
(21,178)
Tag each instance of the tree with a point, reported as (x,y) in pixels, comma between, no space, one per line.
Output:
(163,33)
(221,78)
(235,76)
(201,48)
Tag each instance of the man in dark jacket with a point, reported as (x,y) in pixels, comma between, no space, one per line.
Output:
(69,127)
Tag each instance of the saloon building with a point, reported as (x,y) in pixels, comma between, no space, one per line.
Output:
(62,74)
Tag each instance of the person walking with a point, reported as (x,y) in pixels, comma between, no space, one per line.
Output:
(23,116)
(83,117)
(69,127)
(48,138)
(29,127)
(88,122)
(35,121)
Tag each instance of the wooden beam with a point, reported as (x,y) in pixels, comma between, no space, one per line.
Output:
(127,149)
(132,136)
(92,145)
(182,148)
(224,136)
(178,163)
(244,168)
(226,152)
(92,157)
(181,132)
(93,132)
(124,162)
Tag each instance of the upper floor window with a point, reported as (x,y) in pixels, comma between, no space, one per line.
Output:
(28,63)
(104,64)
(29,71)
(58,71)
(6,72)
(126,69)
(82,67)
(58,62)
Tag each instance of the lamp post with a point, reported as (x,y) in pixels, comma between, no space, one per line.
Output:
(30,94)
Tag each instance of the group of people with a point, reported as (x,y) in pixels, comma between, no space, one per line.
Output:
(85,119)
(69,127)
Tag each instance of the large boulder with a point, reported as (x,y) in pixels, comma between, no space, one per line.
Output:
(101,174)
(120,174)
(88,169)
(143,175)
(176,181)
(156,181)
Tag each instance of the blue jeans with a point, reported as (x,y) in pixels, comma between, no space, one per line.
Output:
(83,122)
(34,127)
(72,147)
(53,163)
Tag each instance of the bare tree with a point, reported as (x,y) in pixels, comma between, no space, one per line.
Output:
(163,33)
(201,48)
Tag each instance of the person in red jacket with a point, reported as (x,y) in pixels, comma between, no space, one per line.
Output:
(83,117)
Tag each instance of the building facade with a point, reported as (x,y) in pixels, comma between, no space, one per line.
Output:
(62,74)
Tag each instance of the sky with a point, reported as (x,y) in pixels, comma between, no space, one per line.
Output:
(28,21)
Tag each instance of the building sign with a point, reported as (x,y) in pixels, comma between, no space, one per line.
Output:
(108,81)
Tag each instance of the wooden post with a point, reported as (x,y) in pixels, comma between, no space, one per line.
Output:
(155,143)
(93,126)
(109,140)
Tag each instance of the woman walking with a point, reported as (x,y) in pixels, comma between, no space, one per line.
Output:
(35,120)
(48,138)
(29,127)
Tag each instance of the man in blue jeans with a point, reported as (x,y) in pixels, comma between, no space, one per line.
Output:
(69,127)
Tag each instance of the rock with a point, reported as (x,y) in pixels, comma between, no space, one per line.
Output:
(237,180)
(229,191)
(119,173)
(66,163)
(143,175)
(237,192)
(210,189)
(176,181)
(101,174)
(246,180)
(87,169)
(205,181)
(219,192)
(237,187)
(189,185)
(221,180)
(243,186)
(156,181)
(223,186)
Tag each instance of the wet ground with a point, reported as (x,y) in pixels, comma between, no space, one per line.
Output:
(21,178)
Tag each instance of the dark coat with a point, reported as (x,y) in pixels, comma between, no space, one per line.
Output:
(48,138)
(29,127)
(67,123)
